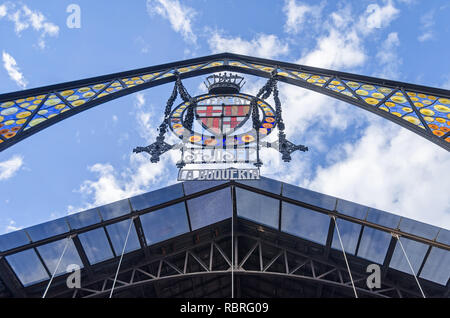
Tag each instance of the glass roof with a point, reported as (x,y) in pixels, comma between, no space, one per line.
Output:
(179,209)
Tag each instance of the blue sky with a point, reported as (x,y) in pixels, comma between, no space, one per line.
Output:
(86,160)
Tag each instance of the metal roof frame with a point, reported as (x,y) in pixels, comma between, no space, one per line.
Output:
(146,254)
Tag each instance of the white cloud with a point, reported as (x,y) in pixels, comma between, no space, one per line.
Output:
(144,46)
(24,18)
(392,169)
(109,185)
(425,36)
(179,16)
(3,11)
(388,57)
(9,167)
(11,227)
(385,55)
(377,17)
(426,24)
(10,65)
(297,15)
(446,84)
(336,50)
(389,168)
(264,45)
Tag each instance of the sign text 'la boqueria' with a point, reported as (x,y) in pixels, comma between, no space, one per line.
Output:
(218,174)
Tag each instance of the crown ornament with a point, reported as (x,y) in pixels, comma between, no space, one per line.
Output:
(224,83)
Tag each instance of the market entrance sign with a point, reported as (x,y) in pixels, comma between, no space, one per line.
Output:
(218,174)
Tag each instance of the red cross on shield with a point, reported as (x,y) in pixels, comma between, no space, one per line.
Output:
(222,119)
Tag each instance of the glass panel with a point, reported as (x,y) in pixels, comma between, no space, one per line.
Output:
(444,236)
(310,197)
(197,186)
(374,245)
(96,246)
(437,266)
(418,228)
(27,267)
(85,218)
(352,209)
(52,252)
(13,239)
(153,198)
(349,234)
(118,233)
(257,207)
(48,229)
(165,223)
(383,218)
(210,208)
(416,252)
(265,184)
(305,223)
(114,209)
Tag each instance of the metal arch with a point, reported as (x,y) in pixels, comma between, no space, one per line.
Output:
(163,73)
(319,271)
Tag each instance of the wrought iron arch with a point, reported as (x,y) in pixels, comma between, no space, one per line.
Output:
(421,109)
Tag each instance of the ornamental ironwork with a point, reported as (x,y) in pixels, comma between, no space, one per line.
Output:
(229,127)
(421,109)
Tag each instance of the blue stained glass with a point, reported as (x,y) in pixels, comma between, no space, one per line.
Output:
(437,266)
(27,267)
(52,252)
(305,223)
(153,198)
(48,229)
(165,223)
(265,184)
(416,252)
(210,208)
(114,209)
(444,236)
(418,228)
(95,245)
(352,209)
(85,218)
(13,239)
(256,207)
(309,197)
(197,186)
(374,245)
(118,233)
(383,218)
(349,234)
